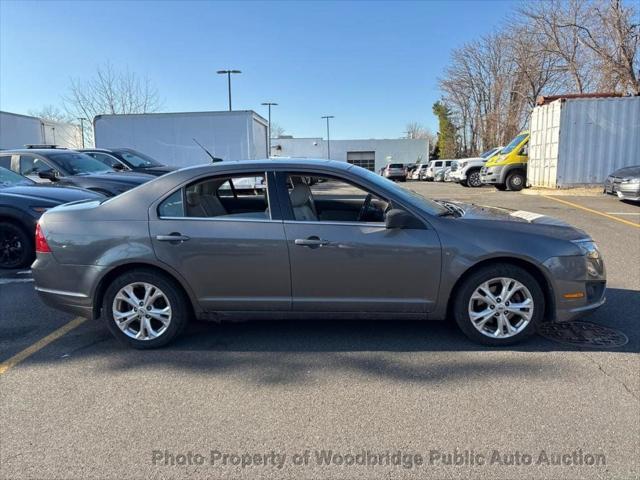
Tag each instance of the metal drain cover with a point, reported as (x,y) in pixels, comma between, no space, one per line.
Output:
(583,334)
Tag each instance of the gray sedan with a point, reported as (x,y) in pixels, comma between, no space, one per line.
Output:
(324,239)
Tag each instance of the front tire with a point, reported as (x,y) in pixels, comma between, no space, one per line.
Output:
(499,305)
(145,309)
(500,187)
(515,181)
(473,179)
(16,246)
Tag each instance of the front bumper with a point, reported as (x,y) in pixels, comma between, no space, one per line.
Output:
(458,176)
(492,175)
(629,191)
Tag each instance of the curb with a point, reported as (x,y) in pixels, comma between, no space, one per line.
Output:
(565,192)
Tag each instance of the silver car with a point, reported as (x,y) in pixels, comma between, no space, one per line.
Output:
(625,183)
(324,239)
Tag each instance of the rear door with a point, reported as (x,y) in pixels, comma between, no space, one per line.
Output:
(233,254)
(342,261)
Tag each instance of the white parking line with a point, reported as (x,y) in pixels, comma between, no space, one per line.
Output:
(623,213)
(7,281)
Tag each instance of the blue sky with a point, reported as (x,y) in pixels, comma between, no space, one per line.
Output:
(374,65)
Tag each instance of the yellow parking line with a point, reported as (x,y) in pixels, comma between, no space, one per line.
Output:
(597,212)
(40,344)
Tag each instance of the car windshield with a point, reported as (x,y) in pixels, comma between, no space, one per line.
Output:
(12,179)
(78,163)
(405,194)
(137,159)
(488,153)
(514,143)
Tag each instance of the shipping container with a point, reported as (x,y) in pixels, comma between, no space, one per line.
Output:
(579,141)
(171,137)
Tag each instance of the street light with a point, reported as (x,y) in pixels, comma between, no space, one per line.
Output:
(82,119)
(269,104)
(228,74)
(327,117)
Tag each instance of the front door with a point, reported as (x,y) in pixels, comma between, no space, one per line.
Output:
(225,243)
(343,259)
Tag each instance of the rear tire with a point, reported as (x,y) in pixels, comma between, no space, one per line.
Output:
(526,299)
(16,246)
(515,181)
(145,324)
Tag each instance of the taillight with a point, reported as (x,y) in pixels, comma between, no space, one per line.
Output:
(41,242)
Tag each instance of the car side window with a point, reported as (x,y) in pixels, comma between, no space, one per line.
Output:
(330,199)
(237,197)
(172,206)
(104,158)
(30,165)
(5,161)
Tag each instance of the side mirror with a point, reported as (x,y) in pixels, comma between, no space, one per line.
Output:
(50,175)
(397,218)
(118,167)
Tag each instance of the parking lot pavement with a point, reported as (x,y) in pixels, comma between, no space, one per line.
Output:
(83,406)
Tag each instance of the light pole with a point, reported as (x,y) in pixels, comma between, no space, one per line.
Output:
(228,74)
(327,117)
(82,119)
(269,104)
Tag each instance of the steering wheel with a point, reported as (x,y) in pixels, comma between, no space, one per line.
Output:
(365,207)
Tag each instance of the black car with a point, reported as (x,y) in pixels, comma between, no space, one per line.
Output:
(70,169)
(22,201)
(128,159)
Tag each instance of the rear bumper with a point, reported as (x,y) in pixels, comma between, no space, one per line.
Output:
(69,288)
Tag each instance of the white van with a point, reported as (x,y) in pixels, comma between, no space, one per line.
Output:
(434,166)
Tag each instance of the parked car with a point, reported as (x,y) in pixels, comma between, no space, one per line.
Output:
(466,171)
(508,170)
(439,175)
(127,159)
(447,175)
(625,183)
(433,167)
(70,169)
(395,171)
(22,201)
(355,245)
(418,172)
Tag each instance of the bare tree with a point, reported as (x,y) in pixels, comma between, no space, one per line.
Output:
(52,113)
(110,91)
(276,130)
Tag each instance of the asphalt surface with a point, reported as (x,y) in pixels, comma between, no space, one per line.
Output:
(84,406)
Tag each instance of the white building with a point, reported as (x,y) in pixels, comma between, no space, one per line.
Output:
(373,154)
(17,130)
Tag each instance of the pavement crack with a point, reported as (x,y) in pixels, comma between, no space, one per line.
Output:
(607,374)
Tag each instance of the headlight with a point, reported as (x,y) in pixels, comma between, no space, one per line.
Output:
(589,249)
(461,164)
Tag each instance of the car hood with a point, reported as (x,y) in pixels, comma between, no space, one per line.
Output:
(156,170)
(54,195)
(518,219)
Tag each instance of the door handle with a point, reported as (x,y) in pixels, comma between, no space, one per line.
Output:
(312,242)
(172,237)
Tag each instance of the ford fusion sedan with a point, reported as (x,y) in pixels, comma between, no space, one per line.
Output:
(128,159)
(625,183)
(22,201)
(324,239)
(71,169)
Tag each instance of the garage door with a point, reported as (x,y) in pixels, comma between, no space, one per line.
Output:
(362,159)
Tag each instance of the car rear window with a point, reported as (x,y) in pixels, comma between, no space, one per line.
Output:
(396,165)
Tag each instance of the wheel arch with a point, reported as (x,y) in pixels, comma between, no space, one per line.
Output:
(115,272)
(534,270)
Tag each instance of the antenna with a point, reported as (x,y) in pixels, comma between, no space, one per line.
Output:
(213,159)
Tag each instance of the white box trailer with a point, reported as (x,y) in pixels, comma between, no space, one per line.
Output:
(579,141)
(169,137)
(17,130)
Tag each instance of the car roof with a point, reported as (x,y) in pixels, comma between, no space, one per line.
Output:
(38,151)
(270,163)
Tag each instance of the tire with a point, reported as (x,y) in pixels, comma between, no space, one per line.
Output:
(172,296)
(500,187)
(515,181)
(463,183)
(524,324)
(473,179)
(16,246)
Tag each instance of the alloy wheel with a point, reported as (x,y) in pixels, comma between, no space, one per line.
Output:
(501,307)
(142,311)
(11,249)
(474,179)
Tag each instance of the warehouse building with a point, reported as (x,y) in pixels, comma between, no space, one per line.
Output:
(372,154)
